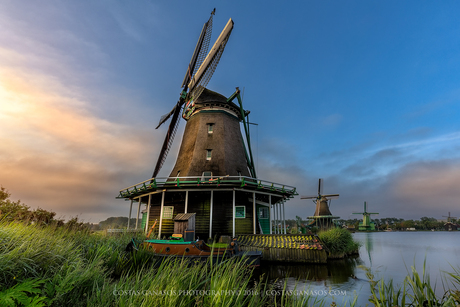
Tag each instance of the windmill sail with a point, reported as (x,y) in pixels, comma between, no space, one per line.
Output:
(194,81)
(198,56)
(166,117)
(200,52)
(168,140)
(204,73)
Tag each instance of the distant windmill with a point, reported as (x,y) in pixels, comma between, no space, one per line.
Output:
(449,218)
(366,224)
(449,225)
(323,216)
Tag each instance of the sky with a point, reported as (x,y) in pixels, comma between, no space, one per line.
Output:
(364,94)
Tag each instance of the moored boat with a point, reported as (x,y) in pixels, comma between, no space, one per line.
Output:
(195,250)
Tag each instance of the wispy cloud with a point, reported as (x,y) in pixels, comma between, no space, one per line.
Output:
(57,154)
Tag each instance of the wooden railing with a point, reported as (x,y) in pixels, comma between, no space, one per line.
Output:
(153,184)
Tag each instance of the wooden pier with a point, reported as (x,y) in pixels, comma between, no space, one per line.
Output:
(285,248)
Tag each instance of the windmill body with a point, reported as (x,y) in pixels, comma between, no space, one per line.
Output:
(212,144)
(323,218)
(366,224)
(449,226)
(214,175)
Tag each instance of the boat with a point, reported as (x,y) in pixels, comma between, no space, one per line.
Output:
(176,247)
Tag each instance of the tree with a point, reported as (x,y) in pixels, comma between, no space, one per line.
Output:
(16,211)
(12,210)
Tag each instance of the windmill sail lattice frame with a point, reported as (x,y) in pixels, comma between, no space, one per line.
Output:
(198,74)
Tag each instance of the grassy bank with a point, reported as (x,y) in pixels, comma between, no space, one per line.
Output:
(55,266)
(339,242)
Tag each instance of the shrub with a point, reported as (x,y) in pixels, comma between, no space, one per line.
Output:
(339,241)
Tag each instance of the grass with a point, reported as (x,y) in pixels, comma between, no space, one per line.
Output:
(339,242)
(416,290)
(52,266)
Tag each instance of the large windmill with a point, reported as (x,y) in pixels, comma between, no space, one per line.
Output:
(366,224)
(197,76)
(322,218)
(214,175)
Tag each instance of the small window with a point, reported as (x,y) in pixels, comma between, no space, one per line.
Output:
(168,212)
(210,128)
(263,213)
(208,154)
(240,212)
(206,176)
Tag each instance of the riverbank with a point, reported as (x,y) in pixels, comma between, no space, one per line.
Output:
(51,266)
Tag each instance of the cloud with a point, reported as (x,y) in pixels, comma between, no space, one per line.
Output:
(57,154)
(431,185)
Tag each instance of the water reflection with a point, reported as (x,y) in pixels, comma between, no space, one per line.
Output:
(335,271)
(388,254)
(367,242)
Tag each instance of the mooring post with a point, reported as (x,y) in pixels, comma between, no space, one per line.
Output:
(147,207)
(210,214)
(161,213)
(138,209)
(130,209)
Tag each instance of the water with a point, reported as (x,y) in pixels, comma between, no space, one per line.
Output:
(389,255)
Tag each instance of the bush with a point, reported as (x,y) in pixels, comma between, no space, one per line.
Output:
(339,241)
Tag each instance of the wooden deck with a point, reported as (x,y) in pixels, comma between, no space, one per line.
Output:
(285,248)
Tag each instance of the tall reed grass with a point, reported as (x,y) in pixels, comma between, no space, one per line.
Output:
(415,290)
(52,266)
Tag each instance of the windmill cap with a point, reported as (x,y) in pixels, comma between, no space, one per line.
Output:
(211,96)
(214,98)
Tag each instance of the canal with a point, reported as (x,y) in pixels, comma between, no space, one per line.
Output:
(389,255)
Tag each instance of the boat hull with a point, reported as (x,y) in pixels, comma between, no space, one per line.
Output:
(199,251)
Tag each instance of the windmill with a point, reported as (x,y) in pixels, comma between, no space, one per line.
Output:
(449,225)
(323,216)
(197,76)
(214,175)
(366,224)
(449,218)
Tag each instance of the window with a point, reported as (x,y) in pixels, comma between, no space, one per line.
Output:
(240,212)
(210,128)
(263,213)
(168,212)
(208,154)
(206,176)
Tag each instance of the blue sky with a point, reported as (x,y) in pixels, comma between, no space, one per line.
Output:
(364,94)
